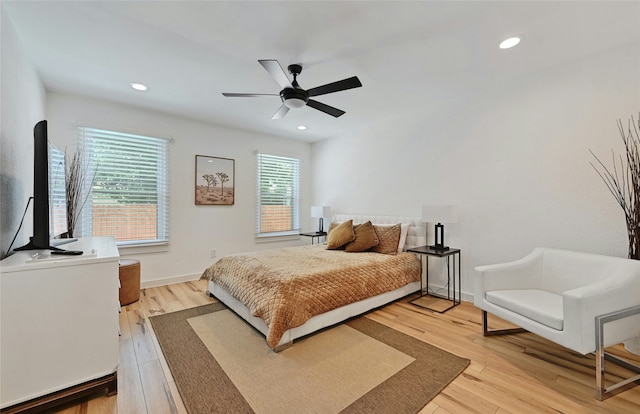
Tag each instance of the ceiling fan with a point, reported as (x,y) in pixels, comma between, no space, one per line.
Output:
(293,96)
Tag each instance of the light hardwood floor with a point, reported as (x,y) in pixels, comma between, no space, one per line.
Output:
(520,373)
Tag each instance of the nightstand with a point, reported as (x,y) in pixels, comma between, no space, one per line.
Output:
(429,300)
(315,234)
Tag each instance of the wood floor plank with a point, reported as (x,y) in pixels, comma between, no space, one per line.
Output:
(175,394)
(429,408)
(143,344)
(156,389)
(80,408)
(441,410)
(125,332)
(130,393)
(152,303)
(107,405)
(459,400)
(531,391)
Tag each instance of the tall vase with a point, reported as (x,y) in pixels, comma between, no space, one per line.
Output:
(633,345)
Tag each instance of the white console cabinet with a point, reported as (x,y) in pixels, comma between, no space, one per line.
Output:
(58,324)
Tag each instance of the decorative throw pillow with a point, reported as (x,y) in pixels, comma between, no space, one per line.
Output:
(389,238)
(366,238)
(340,235)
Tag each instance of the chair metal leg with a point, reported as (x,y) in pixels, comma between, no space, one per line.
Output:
(487,332)
(602,391)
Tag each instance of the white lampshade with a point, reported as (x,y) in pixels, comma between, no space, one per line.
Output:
(320,211)
(439,214)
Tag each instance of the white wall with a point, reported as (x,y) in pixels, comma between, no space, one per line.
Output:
(514,159)
(22,105)
(194,230)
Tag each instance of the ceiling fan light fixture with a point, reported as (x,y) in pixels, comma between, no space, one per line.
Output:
(294,103)
(294,98)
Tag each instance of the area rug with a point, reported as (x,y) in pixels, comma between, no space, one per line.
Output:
(221,364)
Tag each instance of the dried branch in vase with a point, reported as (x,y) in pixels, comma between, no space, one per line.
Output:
(623,181)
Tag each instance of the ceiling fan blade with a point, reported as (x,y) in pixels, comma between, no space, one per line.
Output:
(273,67)
(243,95)
(338,86)
(325,108)
(281,112)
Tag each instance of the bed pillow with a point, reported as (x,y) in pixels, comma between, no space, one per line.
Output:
(404,230)
(340,235)
(389,238)
(366,238)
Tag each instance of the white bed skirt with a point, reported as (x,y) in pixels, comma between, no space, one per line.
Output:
(317,322)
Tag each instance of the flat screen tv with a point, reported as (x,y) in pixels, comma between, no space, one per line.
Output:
(49,192)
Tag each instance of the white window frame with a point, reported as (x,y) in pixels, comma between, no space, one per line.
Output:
(294,196)
(92,138)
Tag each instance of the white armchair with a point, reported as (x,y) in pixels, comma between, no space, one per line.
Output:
(568,298)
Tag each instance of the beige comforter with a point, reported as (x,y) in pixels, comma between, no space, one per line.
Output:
(286,287)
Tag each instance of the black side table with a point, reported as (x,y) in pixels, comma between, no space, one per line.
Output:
(315,234)
(426,251)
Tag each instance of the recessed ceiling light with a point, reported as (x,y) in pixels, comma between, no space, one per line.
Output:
(139,87)
(302,127)
(510,42)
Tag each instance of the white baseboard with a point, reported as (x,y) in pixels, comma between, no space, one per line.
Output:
(442,290)
(169,280)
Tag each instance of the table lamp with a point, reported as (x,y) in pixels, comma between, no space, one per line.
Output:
(439,214)
(320,212)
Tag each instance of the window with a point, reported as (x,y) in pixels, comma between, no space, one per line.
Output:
(277,195)
(57,193)
(127,184)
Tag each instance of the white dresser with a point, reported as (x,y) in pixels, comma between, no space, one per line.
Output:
(58,323)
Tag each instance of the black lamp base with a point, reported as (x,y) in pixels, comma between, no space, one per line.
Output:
(439,238)
(439,247)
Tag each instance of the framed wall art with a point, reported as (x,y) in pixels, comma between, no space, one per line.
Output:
(215,179)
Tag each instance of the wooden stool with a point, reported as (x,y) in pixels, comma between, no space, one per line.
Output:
(129,281)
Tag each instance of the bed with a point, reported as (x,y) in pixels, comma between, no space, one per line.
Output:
(291,292)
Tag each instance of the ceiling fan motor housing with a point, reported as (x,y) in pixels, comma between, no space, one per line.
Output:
(294,97)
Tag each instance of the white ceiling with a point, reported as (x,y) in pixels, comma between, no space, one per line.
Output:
(408,55)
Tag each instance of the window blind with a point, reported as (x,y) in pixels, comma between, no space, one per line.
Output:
(278,191)
(57,193)
(127,185)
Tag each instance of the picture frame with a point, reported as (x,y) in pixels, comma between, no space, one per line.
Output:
(214,181)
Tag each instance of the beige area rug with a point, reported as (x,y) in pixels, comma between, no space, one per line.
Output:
(222,365)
